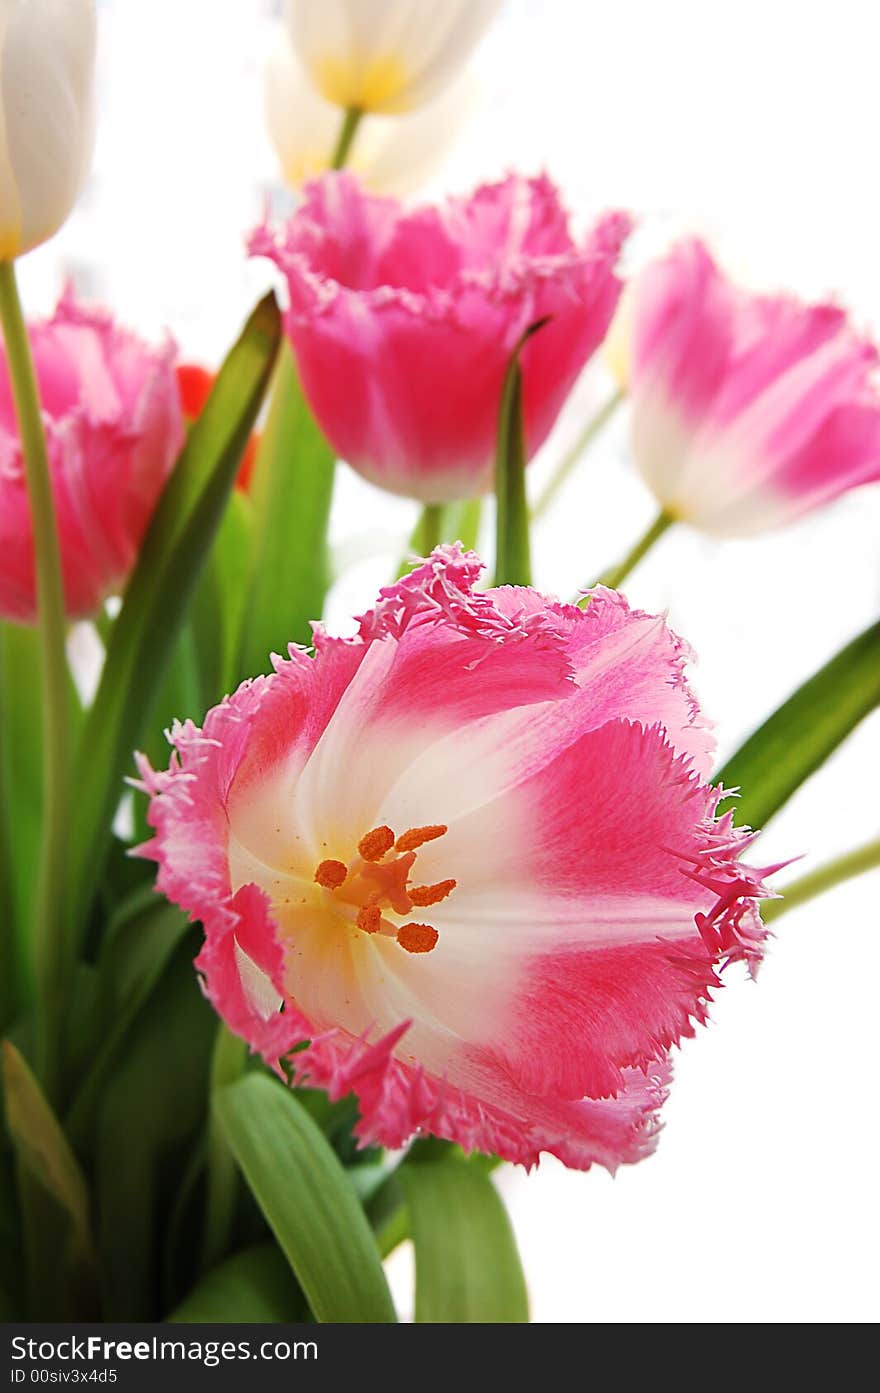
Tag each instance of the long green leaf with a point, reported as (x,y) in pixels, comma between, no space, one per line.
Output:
(307,1201)
(203,668)
(255,1286)
(44,1150)
(151,1114)
(292,488)
(805,730)
(222,1181)
(171,557)
(461,522)
(467,1265)
(455,522)
(21,796)
(131,964)
(513,565)
(12,975)
(219,605)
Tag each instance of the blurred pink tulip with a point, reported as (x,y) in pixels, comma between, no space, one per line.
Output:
(748,410)
(403,322)
(114,426)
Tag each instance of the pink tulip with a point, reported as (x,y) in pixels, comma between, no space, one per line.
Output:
(403,322)
(748,410)
(114,427)
(471,857)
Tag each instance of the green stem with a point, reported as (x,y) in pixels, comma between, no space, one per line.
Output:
(51,953)
(593,428)
(853,863)
(513,558)
(350,122)
(616,575)
(227,1065)
(430,528)
(442,522)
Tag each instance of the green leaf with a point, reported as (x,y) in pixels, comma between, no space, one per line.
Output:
(292,487)
(14,961)
(255,1287)
(203,668)
(442,522)
(44,1149)
(461,522)
(132,961)
(151,1114)
(307,1201)
(513,565)
(21,799)
(219,605)
(467,1265)
(222,1179)
(171,558)
(805,730)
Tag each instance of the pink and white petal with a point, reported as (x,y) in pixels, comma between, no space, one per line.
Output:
(683,326)
(599,843)
(626,664)
(843,453)
(398,1099)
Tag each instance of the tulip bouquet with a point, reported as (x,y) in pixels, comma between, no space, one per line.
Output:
(452,886)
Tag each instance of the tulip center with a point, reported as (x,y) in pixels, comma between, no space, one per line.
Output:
(370,86)
(376,885)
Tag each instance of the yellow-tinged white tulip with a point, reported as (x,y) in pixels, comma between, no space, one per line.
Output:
(385,55)
(616,348)
(47,62)
(390,154)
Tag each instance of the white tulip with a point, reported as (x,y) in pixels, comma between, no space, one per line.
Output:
(47,61)
(390,154)
(385,55)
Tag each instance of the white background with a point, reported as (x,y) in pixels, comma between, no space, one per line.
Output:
(755,123)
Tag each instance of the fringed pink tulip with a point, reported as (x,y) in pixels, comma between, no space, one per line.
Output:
(403,322)
(470,857)
(114,426)
(748,410)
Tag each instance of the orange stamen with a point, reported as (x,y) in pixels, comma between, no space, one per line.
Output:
(424,895)
(331,874)
(417,836)
(374,845)
(417,938)
(369,918)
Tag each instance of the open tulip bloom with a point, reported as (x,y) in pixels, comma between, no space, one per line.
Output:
(455,885)
(470,860)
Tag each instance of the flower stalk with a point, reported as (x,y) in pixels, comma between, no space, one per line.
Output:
(826,877)
(350,122)
(569,461)
(616,575)
(513,559)
(50,950)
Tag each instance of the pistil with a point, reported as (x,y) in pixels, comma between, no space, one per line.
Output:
(371,881)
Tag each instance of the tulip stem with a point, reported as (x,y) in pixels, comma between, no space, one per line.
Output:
(430,528)
(350,122)
(52,969)
(853,863)
(593,428)
(221,1190)
(616,575)
(513,558)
